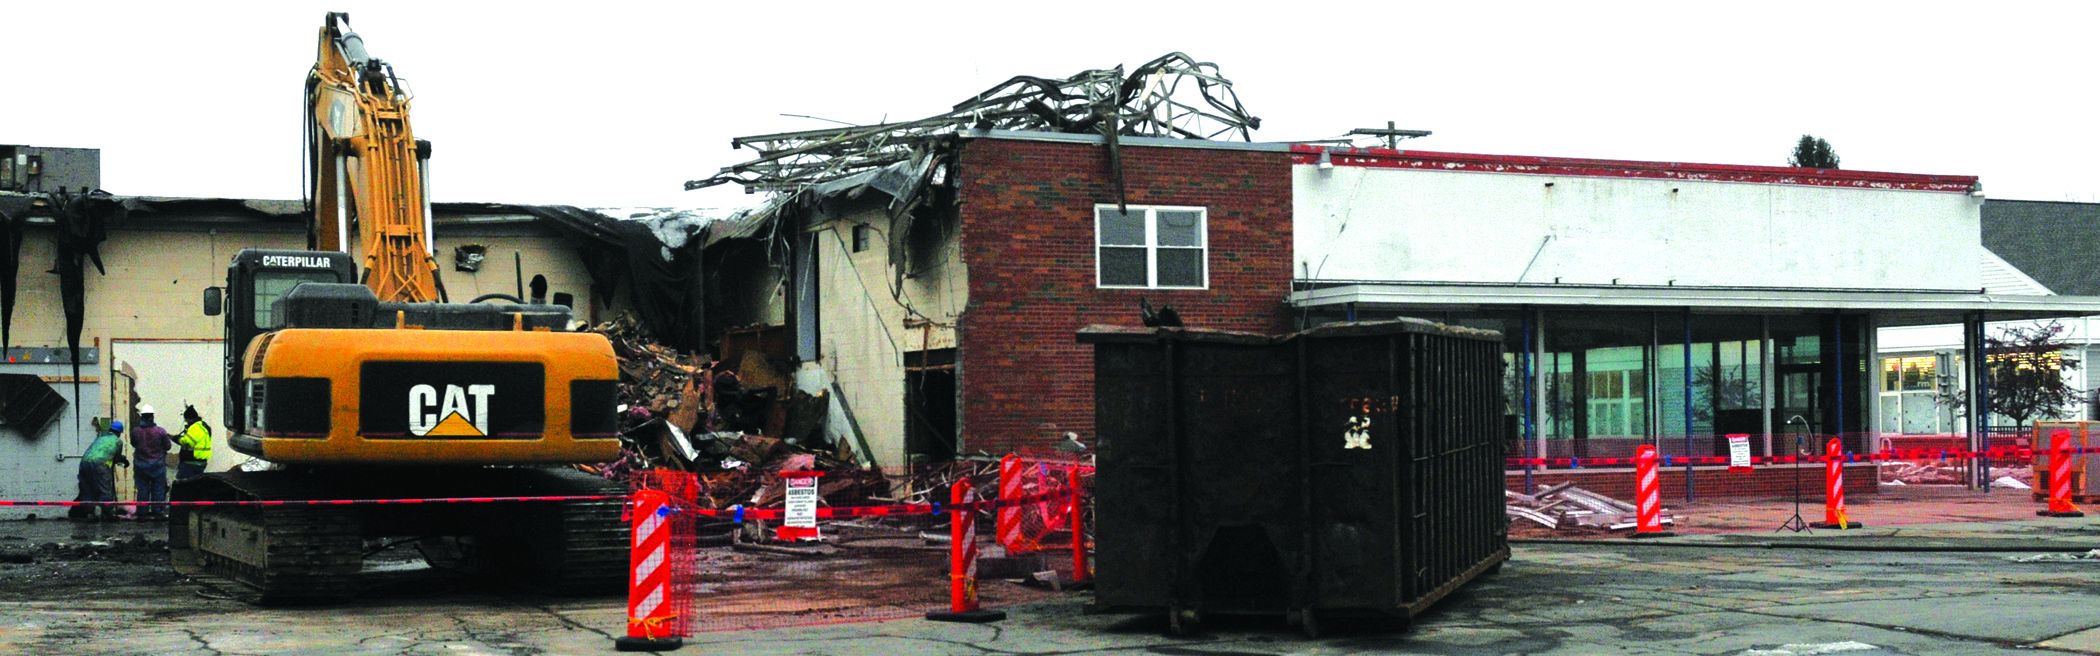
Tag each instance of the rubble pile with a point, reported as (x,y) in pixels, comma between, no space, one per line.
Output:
(1565,506)
(725,423)
(1946,473)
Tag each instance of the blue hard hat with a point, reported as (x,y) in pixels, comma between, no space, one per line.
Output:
(116,426)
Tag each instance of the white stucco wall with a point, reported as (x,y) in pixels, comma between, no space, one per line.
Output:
(1360,223)
(865,333)
(153,288)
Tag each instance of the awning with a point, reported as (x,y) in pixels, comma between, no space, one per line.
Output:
(1891,307)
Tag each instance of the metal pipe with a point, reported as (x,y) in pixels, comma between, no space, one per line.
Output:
(429,217)
(517,266)
(342,203)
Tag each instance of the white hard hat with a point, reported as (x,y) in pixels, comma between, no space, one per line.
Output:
(145,409)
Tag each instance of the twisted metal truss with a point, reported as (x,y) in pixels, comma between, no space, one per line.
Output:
(1173,96)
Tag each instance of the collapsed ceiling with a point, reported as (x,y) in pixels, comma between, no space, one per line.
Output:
(1173,96)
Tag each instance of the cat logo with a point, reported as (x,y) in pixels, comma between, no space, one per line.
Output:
(459,412)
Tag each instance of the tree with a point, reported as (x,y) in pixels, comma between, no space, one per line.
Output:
(1813,152)
(2024,375)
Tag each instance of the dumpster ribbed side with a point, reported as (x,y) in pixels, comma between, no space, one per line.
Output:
(1352,468)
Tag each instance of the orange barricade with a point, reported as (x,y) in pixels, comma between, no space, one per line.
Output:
(1834,488)
(2060,478)
(1647,492)
(659,599)
(962,563)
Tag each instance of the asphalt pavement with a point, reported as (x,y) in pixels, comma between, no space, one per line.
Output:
(1759,595)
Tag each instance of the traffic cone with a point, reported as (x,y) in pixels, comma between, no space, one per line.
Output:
(2060,478)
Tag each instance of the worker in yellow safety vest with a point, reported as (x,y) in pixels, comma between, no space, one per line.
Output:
(195,439)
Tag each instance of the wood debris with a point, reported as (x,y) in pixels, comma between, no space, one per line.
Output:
(690,412)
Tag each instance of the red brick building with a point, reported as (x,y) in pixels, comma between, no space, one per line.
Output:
(949,327)
(1030,230)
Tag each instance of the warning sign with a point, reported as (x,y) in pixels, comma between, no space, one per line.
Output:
(1739,453)
(799,521)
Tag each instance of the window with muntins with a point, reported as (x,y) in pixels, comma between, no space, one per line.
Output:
(1151,247)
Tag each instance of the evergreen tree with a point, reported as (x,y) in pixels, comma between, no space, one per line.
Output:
(1813,152)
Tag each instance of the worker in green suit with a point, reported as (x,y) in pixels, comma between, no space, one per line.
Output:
(98,478)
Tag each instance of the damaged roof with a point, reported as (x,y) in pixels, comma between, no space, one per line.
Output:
(1173,96)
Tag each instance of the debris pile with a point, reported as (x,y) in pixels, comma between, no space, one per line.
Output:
(1946,473)
(1565,506)
(736,423)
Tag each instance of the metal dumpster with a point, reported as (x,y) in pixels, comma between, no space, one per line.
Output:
(1350,469)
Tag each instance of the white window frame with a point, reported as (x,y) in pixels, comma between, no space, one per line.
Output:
(1152,246)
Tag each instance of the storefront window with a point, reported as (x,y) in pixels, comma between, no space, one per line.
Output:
(1910,395)
(1596,373)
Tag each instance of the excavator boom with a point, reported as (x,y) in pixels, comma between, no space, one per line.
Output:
(370,175)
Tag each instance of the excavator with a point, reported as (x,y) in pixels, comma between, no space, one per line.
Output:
(350,374)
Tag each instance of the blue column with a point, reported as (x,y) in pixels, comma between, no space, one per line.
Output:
(1688,404)
(1838,343)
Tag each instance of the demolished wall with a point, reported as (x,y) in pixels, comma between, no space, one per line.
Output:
(873,331)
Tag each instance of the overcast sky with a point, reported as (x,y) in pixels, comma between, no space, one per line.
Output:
(616,104)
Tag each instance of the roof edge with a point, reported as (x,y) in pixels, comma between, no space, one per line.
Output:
(1613,168)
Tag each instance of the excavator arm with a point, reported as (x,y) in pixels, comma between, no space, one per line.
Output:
(369,188)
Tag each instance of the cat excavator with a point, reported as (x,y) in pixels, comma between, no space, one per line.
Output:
(350,374)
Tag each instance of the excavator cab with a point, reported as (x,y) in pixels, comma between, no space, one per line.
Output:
(319,370)
(254,281)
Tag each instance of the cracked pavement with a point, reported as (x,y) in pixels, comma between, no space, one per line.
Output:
(1608,597)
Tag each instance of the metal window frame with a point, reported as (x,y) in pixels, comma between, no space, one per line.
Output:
(1152,245)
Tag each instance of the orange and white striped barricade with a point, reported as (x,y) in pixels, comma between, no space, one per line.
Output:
(1834,488)
(653,622)
(1647,495)
(962,561)
(2060,478)
(1018,527)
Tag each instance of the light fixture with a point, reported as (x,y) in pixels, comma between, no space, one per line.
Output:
(1326,160)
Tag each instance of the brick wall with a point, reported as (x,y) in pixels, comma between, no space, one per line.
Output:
(1709,482)
(1028,240)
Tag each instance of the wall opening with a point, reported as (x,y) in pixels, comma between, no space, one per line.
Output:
(930,405)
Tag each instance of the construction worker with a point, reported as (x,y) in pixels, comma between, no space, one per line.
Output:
(196,445)
(150,444)
(98,482)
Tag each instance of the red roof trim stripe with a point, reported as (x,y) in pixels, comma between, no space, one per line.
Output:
(1607,168)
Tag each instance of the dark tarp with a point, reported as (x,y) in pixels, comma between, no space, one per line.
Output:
(14,214)
(83,223)
(665,291)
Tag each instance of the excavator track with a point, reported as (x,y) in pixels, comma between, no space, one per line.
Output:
(573,547)
(304,554)
(267,555)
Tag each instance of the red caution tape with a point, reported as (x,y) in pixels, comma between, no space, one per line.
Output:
(1991,453)
(311,502)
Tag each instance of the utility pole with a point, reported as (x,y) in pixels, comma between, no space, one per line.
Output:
(1391,134)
